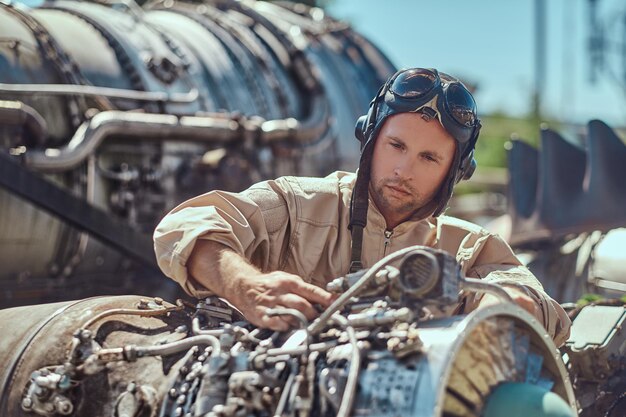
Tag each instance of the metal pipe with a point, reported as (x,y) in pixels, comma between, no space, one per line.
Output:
(175,347)
(96,362)
(299,350)
(129,312)
(18,113)
(278,311)
(195,329)
(94,91)
(215,129)
(355,366)
(376,319)
(300,132)
(107,124)
(282,402)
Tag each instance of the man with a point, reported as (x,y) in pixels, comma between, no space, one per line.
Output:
(279,242)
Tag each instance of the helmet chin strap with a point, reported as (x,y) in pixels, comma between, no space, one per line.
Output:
(359,205)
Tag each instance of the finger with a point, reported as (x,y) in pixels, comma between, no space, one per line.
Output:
(528,304)
(299,303)
(313,293)
(489,300)
(294,322)
(257,317)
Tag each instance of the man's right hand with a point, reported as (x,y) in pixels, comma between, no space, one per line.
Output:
(230,276)
(257,293)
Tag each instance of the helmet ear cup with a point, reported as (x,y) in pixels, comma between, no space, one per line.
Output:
(360,128)
(366,123)
(467,168)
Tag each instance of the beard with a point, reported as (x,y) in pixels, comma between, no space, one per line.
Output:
(403,204)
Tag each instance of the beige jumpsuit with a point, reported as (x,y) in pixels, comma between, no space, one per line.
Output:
(300,225)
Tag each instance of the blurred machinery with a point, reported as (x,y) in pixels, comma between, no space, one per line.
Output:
(566,207)
(606,41)
(111,114)
(567,219)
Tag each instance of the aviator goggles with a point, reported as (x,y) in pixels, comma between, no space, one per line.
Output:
(423,90)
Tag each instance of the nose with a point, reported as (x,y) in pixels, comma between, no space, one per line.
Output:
(402,168)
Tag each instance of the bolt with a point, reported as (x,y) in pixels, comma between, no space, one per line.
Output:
(27,403)
(86,334)
(158,300)
(63,406)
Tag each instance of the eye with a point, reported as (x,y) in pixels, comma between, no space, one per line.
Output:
(430,158)
(396,145)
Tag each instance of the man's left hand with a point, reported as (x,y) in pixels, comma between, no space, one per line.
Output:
(519,297)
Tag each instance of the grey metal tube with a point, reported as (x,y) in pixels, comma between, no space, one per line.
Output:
(175,347)
(93,363)
(18,113)
(353,373)
(215,129)
(91,134)
(89,90)
(309,130)
(129,312)
(299,350)
(195,328)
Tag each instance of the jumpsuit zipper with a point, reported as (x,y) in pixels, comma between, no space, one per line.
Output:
(388,234)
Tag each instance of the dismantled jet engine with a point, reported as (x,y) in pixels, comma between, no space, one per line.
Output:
(567,219)
(381,349)
(111,114)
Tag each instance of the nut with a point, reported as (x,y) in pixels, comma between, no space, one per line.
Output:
(27,403)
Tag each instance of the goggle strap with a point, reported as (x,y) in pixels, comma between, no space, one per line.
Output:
(359,204)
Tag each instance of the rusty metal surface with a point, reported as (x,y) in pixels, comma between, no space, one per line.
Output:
(50,344)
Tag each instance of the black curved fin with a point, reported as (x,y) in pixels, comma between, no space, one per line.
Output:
(565,188)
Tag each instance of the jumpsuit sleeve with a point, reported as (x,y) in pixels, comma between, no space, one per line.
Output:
(495,262)
(255,223)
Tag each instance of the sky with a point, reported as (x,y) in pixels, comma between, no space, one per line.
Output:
(492,43)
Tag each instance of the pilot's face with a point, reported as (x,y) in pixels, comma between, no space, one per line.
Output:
(412,157)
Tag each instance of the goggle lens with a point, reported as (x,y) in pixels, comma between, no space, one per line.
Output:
(414,83)
(461,105)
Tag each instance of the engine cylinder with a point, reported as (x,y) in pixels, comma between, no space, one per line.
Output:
(284,85)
